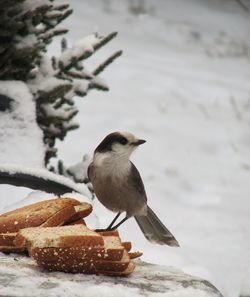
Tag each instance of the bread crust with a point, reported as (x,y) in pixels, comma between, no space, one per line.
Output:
(87,270)
(64,236)
(127,245)
(94,253)
(33,215)
(109,233)
(7,239)
(11,249)
(77,222)
(135,255)
(63,260)
(77,241)
(130,269)
(81,211)
(60,217)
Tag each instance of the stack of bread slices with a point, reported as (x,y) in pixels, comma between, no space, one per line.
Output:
(55,235)
(48,213)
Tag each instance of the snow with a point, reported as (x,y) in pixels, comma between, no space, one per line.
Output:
(183,85)
(79,49)
(34,4)
(21,273)
(79,170)
(18,128)
(80,85)
(47,175)
(45,84)
(63,113)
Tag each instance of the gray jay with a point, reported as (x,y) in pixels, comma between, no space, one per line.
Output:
(118,186)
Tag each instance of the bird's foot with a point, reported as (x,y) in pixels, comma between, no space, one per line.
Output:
(100,230)
(105,230)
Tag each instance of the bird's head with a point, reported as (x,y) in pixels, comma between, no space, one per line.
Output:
(119,144)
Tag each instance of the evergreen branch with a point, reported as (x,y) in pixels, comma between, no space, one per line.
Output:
(61,6)
(102,66)
(98,86)
(105,40)
(79,75)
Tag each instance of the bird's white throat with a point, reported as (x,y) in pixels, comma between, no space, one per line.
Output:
(109,162)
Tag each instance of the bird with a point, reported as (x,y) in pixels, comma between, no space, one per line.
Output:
(117,184)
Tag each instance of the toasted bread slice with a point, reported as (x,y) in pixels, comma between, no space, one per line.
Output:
(88,269)
(112,250)
(81,211)
(60,217)
(65,261)
(79,253)
(7,239)
(78,222)
(127,245)
(64,236)
(107,265)
(11,249)
(135,255)
(130,268)
(109,233)
(75,249)
(33,215)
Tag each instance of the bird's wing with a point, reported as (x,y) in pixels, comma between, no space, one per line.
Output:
(136,180)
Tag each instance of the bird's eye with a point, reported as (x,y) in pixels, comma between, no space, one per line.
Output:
(122,140)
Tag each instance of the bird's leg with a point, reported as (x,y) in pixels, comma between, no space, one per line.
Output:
(114,220)
(119,224)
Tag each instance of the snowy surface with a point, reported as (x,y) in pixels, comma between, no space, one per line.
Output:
(20,136)
(20,276)
(182,84)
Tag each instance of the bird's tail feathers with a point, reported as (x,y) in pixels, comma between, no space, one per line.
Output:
(154,230)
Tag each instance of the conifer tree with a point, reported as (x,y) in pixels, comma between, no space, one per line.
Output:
(27,27)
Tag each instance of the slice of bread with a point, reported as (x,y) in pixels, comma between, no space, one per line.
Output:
(130,269)
(7,239)
(67,210)
(64,236)
(80,267)
(135,255)
(127,245)
(11,249)
(60,217)
(77,241)
(81,211)
(109,233)
(64,259)
(78,253)
(107,265)
(75,249)
(78,222)
(33,215)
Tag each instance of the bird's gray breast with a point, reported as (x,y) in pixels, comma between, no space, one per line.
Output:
(119,189)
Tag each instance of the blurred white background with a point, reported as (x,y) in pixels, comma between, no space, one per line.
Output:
(183,83)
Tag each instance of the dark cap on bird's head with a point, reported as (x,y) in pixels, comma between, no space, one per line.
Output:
(120,141)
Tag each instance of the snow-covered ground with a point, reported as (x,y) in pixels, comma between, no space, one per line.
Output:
(183,84)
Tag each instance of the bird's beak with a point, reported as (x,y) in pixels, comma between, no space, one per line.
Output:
(138,142)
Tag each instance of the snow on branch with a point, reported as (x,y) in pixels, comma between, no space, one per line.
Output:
(58,80)
(40,179)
